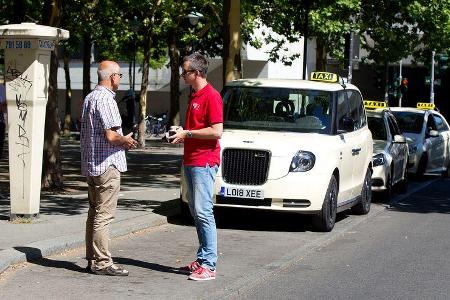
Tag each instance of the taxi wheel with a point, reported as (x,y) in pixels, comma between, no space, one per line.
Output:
(403,185)
(388,192)
(422,167)
(363,206)
(325,220)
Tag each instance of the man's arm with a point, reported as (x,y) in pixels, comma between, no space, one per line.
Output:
(117,139)
(208,133)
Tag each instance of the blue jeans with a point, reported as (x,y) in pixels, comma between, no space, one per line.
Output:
(200,184)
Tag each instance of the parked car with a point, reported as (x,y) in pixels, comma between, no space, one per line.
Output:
(390,150)
(295,145)
(428,135)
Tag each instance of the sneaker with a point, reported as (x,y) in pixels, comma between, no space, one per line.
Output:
(112,270)
(190,268)
(202,274)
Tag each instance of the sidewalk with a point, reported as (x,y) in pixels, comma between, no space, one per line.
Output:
(149,193)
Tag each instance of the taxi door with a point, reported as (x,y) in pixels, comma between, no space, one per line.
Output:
(436,145)
(362,144)
(346,144)
(399,151)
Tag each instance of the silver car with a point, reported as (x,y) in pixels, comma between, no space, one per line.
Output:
(390,153)
(428,135)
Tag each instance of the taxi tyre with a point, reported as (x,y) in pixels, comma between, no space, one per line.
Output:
(363,206)
(387,194)
(326,219)
(422,167)
(403,185)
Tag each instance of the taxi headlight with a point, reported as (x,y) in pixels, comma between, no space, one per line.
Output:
(302,161)
(378,159)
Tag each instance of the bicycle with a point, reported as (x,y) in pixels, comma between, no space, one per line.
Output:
(155,126)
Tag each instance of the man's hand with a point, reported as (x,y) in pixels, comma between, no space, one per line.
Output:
(129,143)
(179,136)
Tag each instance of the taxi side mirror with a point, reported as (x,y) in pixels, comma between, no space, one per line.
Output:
(400,139)
(433,133)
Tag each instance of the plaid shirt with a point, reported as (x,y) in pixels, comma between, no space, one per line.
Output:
(100,112)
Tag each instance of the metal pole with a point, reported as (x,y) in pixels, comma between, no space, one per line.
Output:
(305,41)
(134,82)
(400,85)
(350,58)
(432,77)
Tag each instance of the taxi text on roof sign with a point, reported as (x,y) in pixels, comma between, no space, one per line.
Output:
(374,104)
(324,76)
(423,105)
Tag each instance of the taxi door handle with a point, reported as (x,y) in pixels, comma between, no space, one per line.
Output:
(355,151)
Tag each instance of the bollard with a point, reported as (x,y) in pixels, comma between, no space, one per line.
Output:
(28,49)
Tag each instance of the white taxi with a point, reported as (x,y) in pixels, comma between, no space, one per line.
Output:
(428,134)
(295,145)
(390,150)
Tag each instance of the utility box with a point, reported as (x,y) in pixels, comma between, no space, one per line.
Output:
(28,48)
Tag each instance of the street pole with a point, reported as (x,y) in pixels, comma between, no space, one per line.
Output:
(400,85)
(305,41)
(350,58)
(133,119)
(432,77)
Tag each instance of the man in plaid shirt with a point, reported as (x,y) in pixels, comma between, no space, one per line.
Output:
(102,160)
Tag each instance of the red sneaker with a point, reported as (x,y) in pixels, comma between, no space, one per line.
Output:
(202,274)
(192,267)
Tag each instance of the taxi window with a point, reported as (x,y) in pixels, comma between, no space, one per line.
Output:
(431,125)
(356,106)
(440,124)
(411,122)
(377,127)
(277,109)
(393,126)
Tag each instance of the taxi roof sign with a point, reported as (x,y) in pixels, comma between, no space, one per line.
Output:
(324,77)
(425,106)
(374,104)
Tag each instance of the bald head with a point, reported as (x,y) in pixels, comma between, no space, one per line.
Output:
(106,68)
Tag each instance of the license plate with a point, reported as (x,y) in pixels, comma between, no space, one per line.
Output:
(241,193)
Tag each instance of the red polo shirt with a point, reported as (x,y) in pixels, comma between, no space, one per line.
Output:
(204,109)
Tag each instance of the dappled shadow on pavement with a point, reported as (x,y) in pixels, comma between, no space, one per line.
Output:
(433,199)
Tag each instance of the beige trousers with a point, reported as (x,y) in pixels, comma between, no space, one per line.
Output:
(103,192)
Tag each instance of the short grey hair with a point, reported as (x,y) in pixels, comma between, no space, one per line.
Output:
(197,62)
(104,74)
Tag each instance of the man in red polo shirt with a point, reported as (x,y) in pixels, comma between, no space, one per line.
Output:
(203,129)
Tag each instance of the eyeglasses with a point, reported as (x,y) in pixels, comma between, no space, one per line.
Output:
(185,72)
(120,74)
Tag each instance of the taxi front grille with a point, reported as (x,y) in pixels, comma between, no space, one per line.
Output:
(245,166)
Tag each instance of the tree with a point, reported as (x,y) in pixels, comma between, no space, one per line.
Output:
(232,64)
(51,171)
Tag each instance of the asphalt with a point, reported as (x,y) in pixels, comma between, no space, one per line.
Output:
(149,194)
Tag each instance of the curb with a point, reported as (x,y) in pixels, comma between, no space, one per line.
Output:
(37,250)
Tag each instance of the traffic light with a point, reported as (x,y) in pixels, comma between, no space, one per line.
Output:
(442,62)
(404,86)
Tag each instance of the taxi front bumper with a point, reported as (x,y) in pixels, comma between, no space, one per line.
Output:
(379,178)
(299,192)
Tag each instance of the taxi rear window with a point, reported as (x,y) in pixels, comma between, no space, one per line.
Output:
(411,122)
(277,109)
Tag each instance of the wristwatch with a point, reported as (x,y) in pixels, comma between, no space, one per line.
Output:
(189,134)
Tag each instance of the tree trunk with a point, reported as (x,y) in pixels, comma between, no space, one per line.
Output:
(67,118)
(51,170)
(232,65)
(321,57)
(87,45)
(143,93)
(174,55)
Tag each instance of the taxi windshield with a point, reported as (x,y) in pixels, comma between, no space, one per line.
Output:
(411,122)
(277,109)
(376,126)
